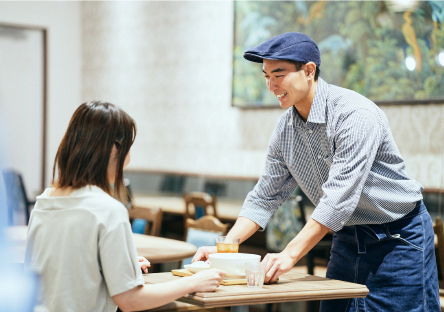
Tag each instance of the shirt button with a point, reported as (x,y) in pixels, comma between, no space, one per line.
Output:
(310,131)
(342,222)
(319,156)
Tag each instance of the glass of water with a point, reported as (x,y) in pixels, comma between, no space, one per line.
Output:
(255,273)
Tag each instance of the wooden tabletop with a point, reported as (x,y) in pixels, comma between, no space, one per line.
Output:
(292,286)
(226,210)
(155,249)
(161,250)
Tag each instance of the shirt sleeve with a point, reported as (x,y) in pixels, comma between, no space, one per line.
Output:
(273,188)
(118,259)
(357,139)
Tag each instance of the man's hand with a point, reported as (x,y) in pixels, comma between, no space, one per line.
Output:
(203,253)
(307,238)
(277,264)
(144,264)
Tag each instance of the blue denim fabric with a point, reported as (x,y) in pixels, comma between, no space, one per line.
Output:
(396,261)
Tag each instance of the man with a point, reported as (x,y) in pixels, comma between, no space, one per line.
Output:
(337,146)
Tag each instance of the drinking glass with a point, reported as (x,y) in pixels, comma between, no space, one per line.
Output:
(227,244)
(255,273)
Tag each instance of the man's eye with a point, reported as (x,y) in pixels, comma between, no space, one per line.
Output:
(279,76)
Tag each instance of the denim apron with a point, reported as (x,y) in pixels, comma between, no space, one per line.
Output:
(396,261)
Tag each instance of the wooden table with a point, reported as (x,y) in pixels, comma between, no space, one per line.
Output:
(226,210)
(155,249)
(161,250)
(292,286)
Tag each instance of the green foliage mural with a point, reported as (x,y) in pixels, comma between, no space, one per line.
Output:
(372,47)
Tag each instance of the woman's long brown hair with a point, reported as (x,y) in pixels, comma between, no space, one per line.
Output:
(83,155)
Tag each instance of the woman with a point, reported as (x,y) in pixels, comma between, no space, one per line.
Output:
(79,237)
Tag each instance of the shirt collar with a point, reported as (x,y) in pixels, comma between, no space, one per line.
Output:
(317,110)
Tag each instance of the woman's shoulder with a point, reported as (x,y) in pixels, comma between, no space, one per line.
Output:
(106,209)
(98,196)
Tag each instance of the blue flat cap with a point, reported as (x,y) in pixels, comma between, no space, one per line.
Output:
(292,46)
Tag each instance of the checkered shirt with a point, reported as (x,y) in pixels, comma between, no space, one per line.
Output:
(344,158)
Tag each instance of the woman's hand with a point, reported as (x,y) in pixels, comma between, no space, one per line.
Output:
(144,264)
(206,280)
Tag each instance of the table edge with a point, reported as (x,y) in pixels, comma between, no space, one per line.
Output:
(216,302)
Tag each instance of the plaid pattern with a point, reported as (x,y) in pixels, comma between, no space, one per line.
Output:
(344,158)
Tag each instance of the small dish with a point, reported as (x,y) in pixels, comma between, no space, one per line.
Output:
(197,266)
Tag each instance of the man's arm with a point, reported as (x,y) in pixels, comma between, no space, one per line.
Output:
(243,228)
(282,262)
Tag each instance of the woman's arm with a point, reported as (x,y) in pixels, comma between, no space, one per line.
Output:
(151,296)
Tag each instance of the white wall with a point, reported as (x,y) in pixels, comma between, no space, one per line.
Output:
(62,20)
(169,64)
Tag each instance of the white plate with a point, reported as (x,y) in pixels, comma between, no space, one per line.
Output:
(197,266)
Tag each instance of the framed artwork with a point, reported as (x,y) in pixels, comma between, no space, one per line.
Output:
(389,51)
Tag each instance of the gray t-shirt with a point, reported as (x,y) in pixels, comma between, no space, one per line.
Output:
(82,248)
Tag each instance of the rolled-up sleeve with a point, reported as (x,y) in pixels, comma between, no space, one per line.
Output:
(273,188)
(357,139)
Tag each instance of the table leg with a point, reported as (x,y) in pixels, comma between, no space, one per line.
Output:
(242,308)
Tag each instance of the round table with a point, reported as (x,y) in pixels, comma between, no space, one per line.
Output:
(155,249)
(161,250)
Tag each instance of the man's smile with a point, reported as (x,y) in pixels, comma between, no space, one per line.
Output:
(279,96)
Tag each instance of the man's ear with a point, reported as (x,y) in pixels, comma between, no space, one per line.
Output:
(310,69)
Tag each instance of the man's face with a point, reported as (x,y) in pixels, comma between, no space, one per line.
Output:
(291,87)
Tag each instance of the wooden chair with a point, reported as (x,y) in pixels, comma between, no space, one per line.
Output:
(153,218)
(203,232)
(198,200)
(206,224)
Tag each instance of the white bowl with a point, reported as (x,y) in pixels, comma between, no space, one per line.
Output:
(232,263)
(197,266)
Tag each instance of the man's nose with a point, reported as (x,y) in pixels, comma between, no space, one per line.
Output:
(272,85)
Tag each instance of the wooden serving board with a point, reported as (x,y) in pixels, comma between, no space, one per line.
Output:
(185,272)
(181,272)
(225,282)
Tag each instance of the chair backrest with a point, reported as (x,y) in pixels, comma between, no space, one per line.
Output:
(200,202)
(439,249)
(143,220)
(17,200)
(152,218)
(203,232)
(207,224)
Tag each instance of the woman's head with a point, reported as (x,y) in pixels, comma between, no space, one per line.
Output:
(94,148)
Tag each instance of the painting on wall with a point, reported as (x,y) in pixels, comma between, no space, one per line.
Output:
(389,51)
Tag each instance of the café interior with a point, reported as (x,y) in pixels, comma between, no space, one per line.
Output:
(202,128)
